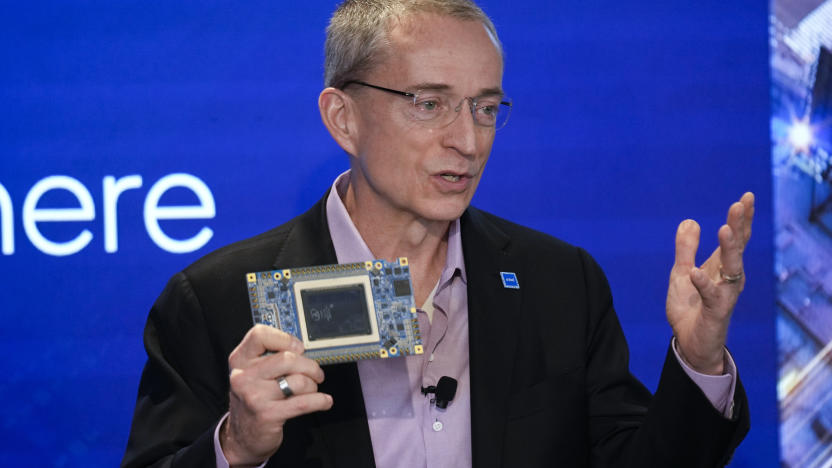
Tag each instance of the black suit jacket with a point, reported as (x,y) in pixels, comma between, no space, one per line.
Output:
(550,384)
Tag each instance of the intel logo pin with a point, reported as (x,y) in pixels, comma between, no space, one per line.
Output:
(509,280)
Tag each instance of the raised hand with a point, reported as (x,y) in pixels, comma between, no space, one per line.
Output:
(259,404)
(700,301)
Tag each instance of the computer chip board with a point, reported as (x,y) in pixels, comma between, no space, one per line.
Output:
(342,313)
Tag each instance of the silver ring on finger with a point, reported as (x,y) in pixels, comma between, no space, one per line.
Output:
(284,386)
(730,278)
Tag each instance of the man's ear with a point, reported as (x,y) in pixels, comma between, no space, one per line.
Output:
(339,116)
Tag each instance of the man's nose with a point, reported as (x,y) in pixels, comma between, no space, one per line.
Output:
(471,108)
(462,130)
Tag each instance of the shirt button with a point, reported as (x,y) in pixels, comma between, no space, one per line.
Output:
(437,426)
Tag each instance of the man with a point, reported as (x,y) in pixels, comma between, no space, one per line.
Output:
(414,96)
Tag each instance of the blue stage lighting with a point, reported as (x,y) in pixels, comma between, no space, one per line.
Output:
(800,135)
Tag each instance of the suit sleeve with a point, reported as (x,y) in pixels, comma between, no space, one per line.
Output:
(180,397)
(677,427)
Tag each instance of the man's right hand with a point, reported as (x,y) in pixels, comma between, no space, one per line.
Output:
(258,409)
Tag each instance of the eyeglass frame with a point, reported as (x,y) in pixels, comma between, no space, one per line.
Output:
(472,107)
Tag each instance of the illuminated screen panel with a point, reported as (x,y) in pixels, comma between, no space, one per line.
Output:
(801,123)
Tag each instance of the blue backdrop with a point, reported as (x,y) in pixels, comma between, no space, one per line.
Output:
(628,118)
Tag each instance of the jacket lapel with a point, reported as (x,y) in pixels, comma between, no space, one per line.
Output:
(342,432)
(493,311)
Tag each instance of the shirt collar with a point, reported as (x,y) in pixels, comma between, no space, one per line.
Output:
(351,248)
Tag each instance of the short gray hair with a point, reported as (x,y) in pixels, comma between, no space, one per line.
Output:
(357,35)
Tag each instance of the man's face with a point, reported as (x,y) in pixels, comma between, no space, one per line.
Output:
(402,166)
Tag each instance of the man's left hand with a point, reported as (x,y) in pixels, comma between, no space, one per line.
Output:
(700,301)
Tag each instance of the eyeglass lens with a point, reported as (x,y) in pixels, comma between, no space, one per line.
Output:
(440,109)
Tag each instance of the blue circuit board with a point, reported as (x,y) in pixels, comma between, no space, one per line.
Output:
(342,313)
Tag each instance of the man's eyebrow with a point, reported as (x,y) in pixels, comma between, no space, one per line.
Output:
(491,92)
(497,91)
(430,87)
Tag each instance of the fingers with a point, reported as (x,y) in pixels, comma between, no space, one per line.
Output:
(259,340)
(255,372)
(272,366)
(299,405)
(299,384)
(687,242)
(738,223)
(258,407)
(747,201)
(731,248)
(254,429)
(740,217)
(707,289)
(733,236)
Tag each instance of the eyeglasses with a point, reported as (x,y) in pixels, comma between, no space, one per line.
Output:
(435,108)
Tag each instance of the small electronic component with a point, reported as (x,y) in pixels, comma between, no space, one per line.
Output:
(342,313)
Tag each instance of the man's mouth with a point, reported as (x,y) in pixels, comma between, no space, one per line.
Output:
(451,177)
